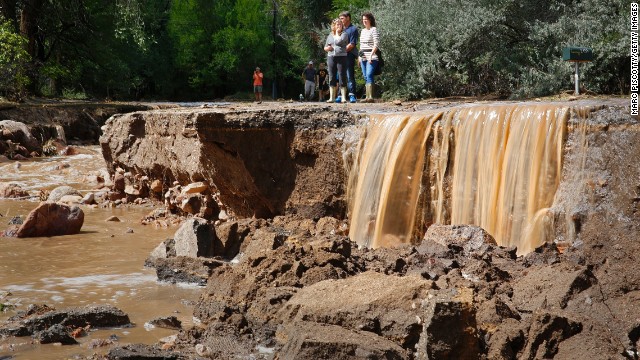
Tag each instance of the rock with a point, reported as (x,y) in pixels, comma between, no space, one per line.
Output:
(11,190)
(117,195)
(113,218)
(40,319)
(191,204)
(467,237)
(195,238)
(551,287)
(184,269)
(329,226)
(203,350)
(195,188)
(508,341)
(546,332)
(52,219)
(310,341)
(230,236)
(55,334)
(56,194)
(131,190)
(70,199)
(495,311)
(68,151)
(88,199)
(387,305)
(449,328)
(16,220)
(139,352)
(156,186)
(296,171)
(19,133)
(98,343)
(165,250)
(169,322)
(119,182)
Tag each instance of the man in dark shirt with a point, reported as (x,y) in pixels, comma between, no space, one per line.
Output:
(352,53)
(309,77)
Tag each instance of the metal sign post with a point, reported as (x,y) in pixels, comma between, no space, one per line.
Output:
(577,78)
(577,55)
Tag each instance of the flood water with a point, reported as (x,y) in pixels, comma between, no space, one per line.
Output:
(101,265)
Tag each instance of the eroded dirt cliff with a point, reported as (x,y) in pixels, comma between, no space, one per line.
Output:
(261,162)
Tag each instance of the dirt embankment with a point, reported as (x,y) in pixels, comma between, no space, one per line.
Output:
(81,122)
(262,162)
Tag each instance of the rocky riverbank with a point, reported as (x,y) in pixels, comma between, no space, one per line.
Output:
(284,281)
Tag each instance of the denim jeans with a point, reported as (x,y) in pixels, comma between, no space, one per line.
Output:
(351,73)
(368,68)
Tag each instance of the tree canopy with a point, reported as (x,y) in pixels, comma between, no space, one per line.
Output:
(197,49)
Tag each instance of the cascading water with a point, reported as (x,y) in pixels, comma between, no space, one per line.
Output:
(384,182)
(497,167)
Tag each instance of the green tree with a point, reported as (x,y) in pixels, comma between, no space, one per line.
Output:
(13,61)
(503,47)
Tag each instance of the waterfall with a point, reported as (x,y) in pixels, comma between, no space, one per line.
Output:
(494,166)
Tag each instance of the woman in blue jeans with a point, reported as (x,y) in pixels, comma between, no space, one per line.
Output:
(369,40)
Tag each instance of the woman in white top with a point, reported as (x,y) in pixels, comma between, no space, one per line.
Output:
(369,40)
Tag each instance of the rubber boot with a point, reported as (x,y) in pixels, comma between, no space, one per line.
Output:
(369,91)
(332,94)
(343,92)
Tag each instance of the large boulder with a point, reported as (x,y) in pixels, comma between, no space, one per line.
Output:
(195,238)
(450,330)
(388,305)
(468,237)
(58,193)
(41,318)
(19,133)
(51,219)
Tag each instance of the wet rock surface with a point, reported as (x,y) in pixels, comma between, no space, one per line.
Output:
(48,325)
(49,219)
(304,295)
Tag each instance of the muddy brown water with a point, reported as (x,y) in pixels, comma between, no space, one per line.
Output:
(101,265)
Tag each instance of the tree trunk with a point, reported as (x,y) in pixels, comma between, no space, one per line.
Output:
(29,25)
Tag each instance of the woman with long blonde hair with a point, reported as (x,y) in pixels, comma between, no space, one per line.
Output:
(336,48)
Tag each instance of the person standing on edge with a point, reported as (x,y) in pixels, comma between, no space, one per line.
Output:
(321,82)
(335,46)
(369,40)
(352,53)
(309,78)
(257,84)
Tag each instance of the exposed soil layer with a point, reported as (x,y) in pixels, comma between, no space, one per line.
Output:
(81,122)
(262,162)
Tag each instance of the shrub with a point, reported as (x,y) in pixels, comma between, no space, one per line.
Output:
(13,62)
